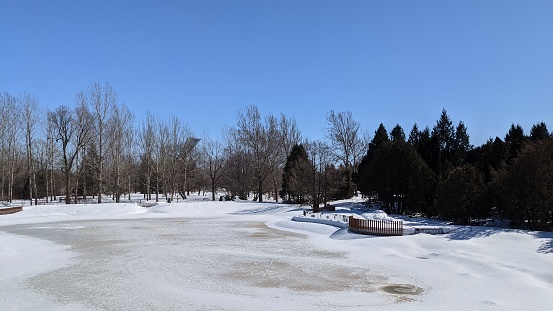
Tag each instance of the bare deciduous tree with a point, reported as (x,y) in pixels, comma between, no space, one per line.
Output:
(30,106)
(71,131)
(268,141)
(237,167)
(50,158)
(102,101)
(320,155)
(214,158)
(10,131)
(121,126)
(347,141)
(148,148)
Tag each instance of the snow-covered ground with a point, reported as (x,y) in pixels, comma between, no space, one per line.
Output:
(203,255)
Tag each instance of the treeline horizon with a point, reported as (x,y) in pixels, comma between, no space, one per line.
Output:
(96,147)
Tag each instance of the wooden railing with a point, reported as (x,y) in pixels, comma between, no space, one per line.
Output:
(376,227)
(10,210)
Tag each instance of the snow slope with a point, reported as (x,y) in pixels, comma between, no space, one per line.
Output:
(203,255)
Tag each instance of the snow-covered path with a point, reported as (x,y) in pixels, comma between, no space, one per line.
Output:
(251,256)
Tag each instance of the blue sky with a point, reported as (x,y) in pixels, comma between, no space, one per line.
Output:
(488,63)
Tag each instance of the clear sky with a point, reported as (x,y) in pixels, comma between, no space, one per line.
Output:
(488,63)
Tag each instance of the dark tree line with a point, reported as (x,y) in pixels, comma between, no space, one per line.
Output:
(437,173)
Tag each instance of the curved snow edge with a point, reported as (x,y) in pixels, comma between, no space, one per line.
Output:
(321,221)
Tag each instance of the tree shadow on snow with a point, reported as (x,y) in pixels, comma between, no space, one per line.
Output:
(547,246)
(269,209)
(299,209)
(468,232)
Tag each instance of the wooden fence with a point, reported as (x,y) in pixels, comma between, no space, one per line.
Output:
(10,210)
(376,227)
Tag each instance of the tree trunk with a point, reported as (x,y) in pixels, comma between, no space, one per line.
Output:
(47,187)
(29,166)
(117,185)
(314,193)
(129,187)
(34,186)
(185,190)
(3,182)
(157,185)
(100,181)
(260,191)
(148,194)
(212,190)
(276,190)
(30,190)
(84,189)
(12,175)
(67,188)
(76,195)
(53,197)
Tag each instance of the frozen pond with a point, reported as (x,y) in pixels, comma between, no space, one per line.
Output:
(251,256)
(197,264)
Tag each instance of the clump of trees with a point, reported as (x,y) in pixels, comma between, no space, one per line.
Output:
(89,150)
(257,149)
(438,173)
(94,148)
(431,172)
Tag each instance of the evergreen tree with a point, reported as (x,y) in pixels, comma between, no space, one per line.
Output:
(430,151)
(498,154)
(443,138)
(426,146)
(297,175)
(397,134)
(459,195)
(400,178)
(461,145)
(525,190)
(414,136)
(514,139)
(539,132)
(444,131)
(492,158)
(380,137)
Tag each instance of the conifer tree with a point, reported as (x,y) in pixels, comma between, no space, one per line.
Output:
(490,158)
(461,145)
(296,177)
(539,132)
(444,131)
(400,178)
(514,139)
(459,195)
(414,136)
(443,136)
(397,134)
(380,137)
(525,190)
